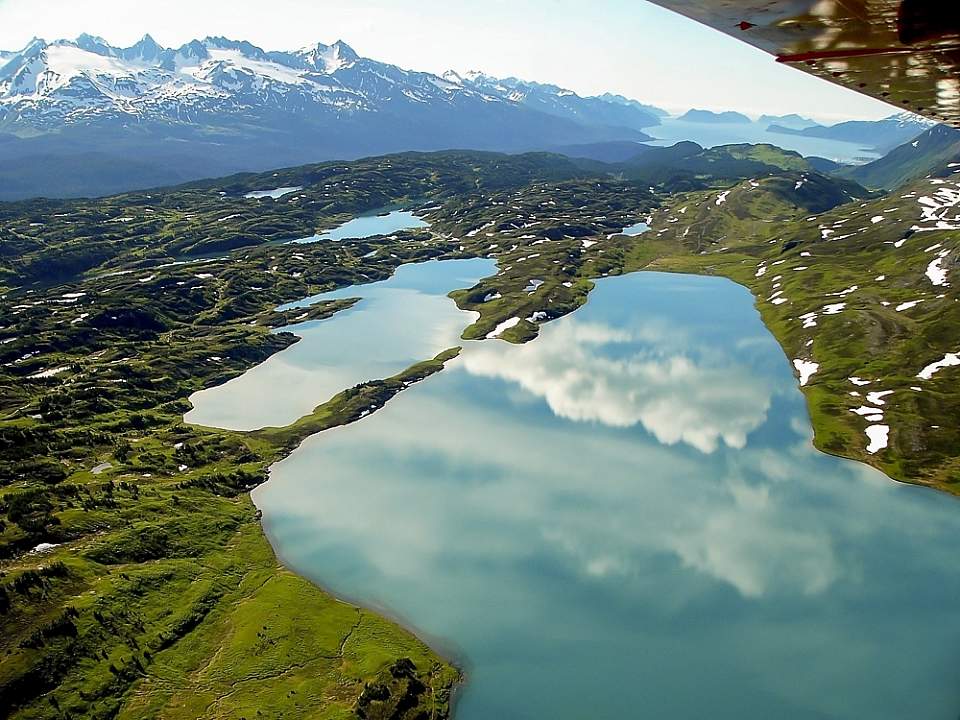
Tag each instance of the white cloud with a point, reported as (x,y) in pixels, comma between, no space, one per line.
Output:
(673,396)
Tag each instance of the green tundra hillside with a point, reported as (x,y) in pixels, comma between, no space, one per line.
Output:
(136,580)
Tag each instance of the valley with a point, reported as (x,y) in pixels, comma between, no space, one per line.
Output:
(120,515)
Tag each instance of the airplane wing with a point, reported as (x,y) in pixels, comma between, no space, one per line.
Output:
(905,52)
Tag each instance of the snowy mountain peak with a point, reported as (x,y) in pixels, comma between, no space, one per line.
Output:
(94,44)
(218,80)
(244,48)
(329,58)
(33,47)
(345,52)
(907,118)
(146,49)
(452,76)
(193,50)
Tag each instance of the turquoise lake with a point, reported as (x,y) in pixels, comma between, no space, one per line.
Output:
(366,226)
(625,518)
(635,229)
(398,322)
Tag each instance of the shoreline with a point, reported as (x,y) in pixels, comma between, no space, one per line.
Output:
(445,648)
(448,649)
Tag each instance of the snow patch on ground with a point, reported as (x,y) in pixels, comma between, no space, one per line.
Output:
(51,372)
(865,410)
(877,396)
(806,369)
(272,194)
(878,435)
(43,547)
(949,360)
(935,211)
(935,270)
(502,328)
(842,293)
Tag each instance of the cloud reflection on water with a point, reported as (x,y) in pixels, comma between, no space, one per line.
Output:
(677,397)
(635,505)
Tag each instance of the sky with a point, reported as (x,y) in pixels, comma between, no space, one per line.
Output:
(629,47)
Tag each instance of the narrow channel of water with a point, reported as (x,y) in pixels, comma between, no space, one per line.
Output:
(672,130)
(399,321)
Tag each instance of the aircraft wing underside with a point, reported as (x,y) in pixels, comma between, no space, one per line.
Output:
(905,52)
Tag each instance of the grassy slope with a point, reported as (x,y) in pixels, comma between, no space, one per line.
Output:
(138,343)
(868,337)
(909,162)
(176,607)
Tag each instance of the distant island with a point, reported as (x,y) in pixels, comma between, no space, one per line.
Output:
(708,116)
(797,122)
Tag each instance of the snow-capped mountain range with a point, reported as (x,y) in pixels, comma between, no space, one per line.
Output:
(47,85)
(82,117)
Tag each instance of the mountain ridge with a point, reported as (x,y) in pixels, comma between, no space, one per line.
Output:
(884,134)
(87,78)
(709,116)
(148,115)
(933,152)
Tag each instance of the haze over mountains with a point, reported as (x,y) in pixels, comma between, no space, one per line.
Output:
(720,118)
(82,117)
(160,115)
(884,135)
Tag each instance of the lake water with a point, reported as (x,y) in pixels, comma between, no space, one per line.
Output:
(366,226)
(625,518)
(399,322)
(713,134)
(635,229)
